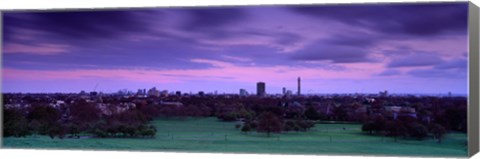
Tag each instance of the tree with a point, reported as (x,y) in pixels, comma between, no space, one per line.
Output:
(456,118)
(228,116)
(112,129)
(15,124)
(34,126)
(167,111)
(73,129)
(417,130)
(100,129)
(269,123)
(304,125)
(368,126)
(130,130)
(438,131)
(131,117)
(290,125)
(379,124)
(56,130)
(84,114)
(100,132)
(395,128)
(246,128)
(150,132)
(46,116)
(150,111)
(376,125)
(311,113)
(340,113)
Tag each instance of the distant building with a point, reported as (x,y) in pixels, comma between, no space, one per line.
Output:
(383,94)
(261,89)
(201,93)
(164,93)
(394,112)
(243,92)
(298,86)
(284,90)
(178,93)
(93,93)
(122,92)
(153,92)
(369,100)
(141,92)
(289,93)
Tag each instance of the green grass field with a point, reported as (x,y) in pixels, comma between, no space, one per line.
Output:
(210,135)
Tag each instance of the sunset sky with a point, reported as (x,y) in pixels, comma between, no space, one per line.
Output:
(402,48)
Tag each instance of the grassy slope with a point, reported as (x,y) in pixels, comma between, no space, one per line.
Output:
(208,135)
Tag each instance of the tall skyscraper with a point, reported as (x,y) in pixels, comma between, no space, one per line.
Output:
(298,85)
(284,90)
(261,89)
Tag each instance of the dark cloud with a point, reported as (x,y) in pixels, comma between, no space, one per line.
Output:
(419,59)
(213,17)
(259,55)
(435,73)
(83,25)
(285,38)
(454,68)
(168,55)
(335,53)
(390,72)
(347,47)
(418,19)
(453,64)
(353,39)
(281,38)
(211,21)
(400,51)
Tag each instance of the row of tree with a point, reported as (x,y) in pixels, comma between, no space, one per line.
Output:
(72,120)
(268,123)
(405,127)
(78,116)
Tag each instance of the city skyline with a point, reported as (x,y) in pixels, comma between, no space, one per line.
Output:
(407,48)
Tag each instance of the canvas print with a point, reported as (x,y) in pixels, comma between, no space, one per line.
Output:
(350,79)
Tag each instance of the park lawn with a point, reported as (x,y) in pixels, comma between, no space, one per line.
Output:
(211,135)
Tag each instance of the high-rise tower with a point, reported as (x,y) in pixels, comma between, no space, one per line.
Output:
(298,86)
(261,89)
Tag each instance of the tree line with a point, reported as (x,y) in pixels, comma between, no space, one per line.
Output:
(434,115)
(71,120)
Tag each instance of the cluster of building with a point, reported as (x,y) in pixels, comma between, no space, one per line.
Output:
(261,89)
(154,92)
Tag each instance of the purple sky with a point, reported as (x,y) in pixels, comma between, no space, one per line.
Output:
(402,48)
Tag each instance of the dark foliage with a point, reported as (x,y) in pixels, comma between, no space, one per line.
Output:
(311,113)
(438,131)
(15,123)
(269,123)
